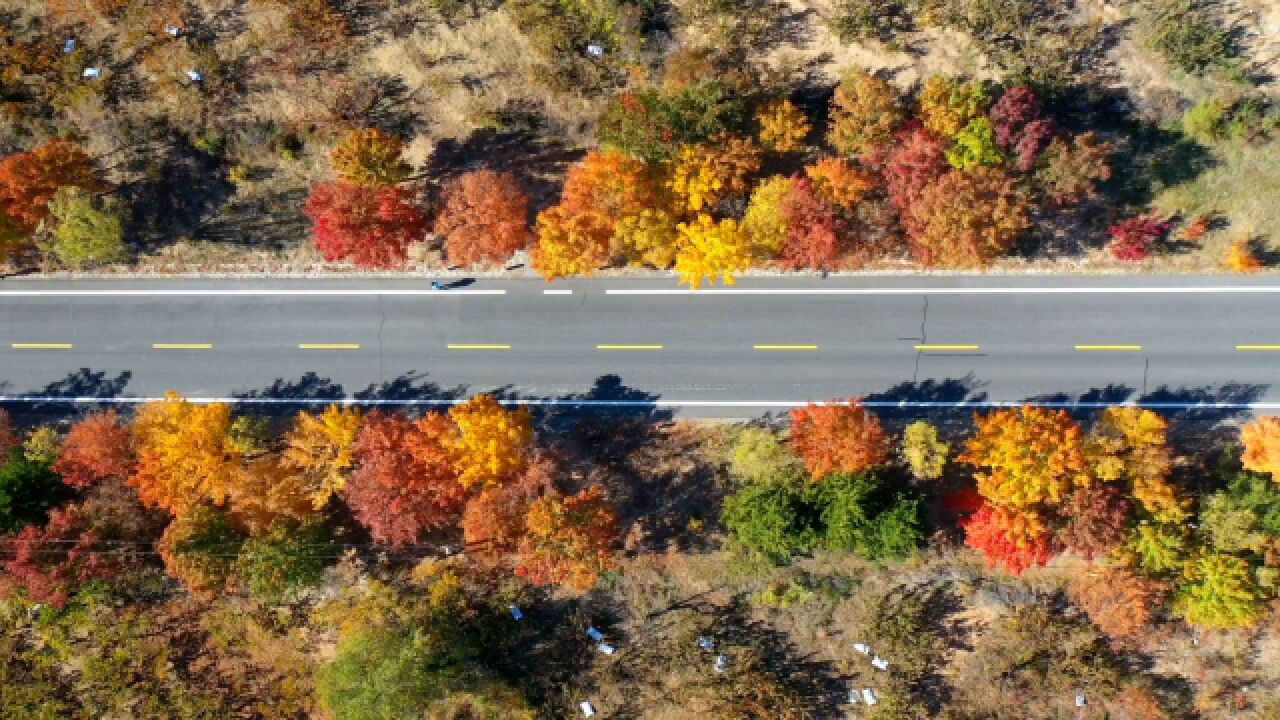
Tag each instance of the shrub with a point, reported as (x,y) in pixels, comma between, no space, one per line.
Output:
(276,564)
(1187,35)
(1205,121)
(855,20)
(974,145)
(1136,237)
(653,123)
(864,112)
(771,520)
(967,219)
(86,235)
(1241,258)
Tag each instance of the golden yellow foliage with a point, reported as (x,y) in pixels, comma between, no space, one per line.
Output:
(1130,444)
(702,175)
(319,446)
(764,222)
(268,491)
(947,105)
(492,442)
(783,126)
(571,244)
(1241,258)
(184,457)
(647,238)
(1026,456)
(369,158)
(1261,440)
(709,249)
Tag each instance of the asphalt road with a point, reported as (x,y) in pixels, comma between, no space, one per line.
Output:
(761,345)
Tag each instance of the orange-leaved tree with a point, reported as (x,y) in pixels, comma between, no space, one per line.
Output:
(568,540)
(369,158)
(1026,456)
(28,180)
(1261,440)
(571,243)
(840,182)
(268,492)
(404,484)
(1121,602)
(494,520)
(484,218)
(491,444)
(1002,535)
(184,454)
(97,447)
(710,249)
(319,446)
(611,183)
(967,218)
(838,437)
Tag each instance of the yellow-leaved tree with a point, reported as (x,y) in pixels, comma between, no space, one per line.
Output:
(184,455)
(710,249)
(1026,456)
(1130,445)
(492,443)
(783,126)
(319,447)
(1261,440)
(702,175)
(571,244)
(369,158)
(765,223)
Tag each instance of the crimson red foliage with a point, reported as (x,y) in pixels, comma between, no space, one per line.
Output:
(97,447)
(8,436)
(370,226)
(404,485)
(52,561)
(1020,126)
(1136,237)
(986,532)
(918,159)
(815,234)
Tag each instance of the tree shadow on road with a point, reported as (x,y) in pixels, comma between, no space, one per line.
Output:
(308,387)
(83,383)
(907,402)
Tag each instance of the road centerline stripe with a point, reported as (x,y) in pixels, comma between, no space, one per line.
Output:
(181,346)
(329,346)
(1108,347)
(628,347)
(477,346)
(41,346)
(944,348)
(784,347)
(1258,347)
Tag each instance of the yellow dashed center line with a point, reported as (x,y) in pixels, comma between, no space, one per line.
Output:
(947,347)
(182,346)
(42,346)
(1109,347)
(479,347)
(785,347)
(329,346)
(1258,347)
(628,347)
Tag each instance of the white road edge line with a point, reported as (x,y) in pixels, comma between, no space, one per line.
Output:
(240,293)
(1198,290)
(553,402)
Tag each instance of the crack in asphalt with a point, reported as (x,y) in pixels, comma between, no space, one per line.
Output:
(924,338)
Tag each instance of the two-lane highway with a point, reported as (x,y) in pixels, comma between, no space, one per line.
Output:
(764,344)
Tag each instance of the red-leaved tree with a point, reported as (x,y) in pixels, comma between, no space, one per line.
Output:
(403,485)
(1135,238)
(917,159)
(8,436)
(988,531)
(1020,126)
(485,218)
(370,226)
(815,234)
(494,520)
(28,180)
(838,437)
(1095,519)
(568,540)
(97,447)
(51,561)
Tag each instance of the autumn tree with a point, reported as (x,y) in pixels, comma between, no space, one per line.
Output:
(1135,238)
(199,549)
(610,183)
(710,249)
(29,180)
(319,446)
(184,458)
(491,443)
(1096,520)
(648,237)
(765,220)
(783,126)
(267,493)
(947,105)
(838,437)
(975,144)
(404,484)
(702,175)
(43,445)
(967,219)
(494,520)
(1130,445)
(924,451)
(1261,440)
(1243,517)
(484,218)
(915,162)
(1241,257)
(1072,169)
(991,531)
(865,111)
(839,182)
(761,456)
(1219,591)
(1158,548)
(815,233)
(369,226)
(85,235)
(282,560)
(1026,456)
(1121,602)
(1020,126)
(97,447)
(369,158)
(571,244)
(568,540)
(9,439)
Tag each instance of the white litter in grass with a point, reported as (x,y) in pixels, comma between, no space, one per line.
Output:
(606,648)
(863,648)
(92,72)
(595,634)
(854,697)
(195,76)
(70,46)
(869,696)
(706,643)
(587,708)
(595,50)
(722,662)
(173,30)
(880,663)
(1080,701)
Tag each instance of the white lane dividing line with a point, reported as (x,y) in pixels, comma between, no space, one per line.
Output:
(242,293)
(552,402)
(557,292)
(1201,290)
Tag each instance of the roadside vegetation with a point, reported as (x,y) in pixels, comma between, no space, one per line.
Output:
(194,561)
(704,138)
